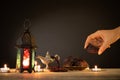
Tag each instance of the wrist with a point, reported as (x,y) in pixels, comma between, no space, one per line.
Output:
(117,32)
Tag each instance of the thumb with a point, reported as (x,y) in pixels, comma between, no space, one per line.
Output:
(103,47)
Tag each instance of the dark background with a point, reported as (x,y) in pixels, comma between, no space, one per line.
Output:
(60,27)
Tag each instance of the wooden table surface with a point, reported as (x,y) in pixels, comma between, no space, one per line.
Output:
(105,74)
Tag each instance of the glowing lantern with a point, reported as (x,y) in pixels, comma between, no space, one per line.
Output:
(26,51)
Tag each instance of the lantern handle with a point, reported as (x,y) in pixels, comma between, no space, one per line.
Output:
(27,24)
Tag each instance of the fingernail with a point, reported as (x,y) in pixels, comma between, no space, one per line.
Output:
(84,47)
(99,53)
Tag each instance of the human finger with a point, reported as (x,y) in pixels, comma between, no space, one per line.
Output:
(87,42)
(103,47)
(90,38)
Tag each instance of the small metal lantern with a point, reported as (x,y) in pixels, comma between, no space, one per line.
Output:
(26,51)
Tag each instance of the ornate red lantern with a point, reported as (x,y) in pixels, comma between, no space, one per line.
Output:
(26,51)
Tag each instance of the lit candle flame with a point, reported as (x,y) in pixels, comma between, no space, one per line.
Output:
(37,67)
(4,69)
(5,65)
(96,68)
(35,62)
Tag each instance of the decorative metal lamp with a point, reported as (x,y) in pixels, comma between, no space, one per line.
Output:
(26,50)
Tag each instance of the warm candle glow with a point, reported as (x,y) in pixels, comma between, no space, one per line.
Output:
(37,67)
(35,62)
(4,69)
(96,68)
(5,65)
